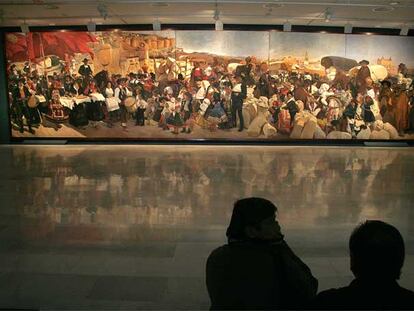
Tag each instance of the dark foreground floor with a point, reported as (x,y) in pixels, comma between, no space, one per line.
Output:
(127,227)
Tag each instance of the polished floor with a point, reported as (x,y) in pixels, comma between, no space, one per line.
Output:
(130,227)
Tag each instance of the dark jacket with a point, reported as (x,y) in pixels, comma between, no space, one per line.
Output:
(237,98)
(362,75)
(16,93)
(293,109)
(363,295)
(85,70)
(301,94)
(246,275)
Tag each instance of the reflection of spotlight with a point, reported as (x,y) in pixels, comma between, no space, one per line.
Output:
(91,26)
(156,25)
(287,26)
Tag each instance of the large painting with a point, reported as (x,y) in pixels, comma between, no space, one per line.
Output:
(213,85)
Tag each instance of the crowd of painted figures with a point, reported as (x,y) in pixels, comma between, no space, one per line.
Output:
(277,105)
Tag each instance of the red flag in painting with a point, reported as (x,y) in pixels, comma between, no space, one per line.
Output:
(16,47)
(39,44)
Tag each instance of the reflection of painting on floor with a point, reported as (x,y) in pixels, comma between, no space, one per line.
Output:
(211,85)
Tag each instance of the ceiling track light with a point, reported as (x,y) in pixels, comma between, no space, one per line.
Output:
(218,23)
(156,25)
(91,26)
(348,28)
(404,30)
(287,27)
(24,28)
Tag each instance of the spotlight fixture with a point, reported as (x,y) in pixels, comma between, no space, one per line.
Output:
(218,22)
(24,28)
(404,30)
(156,25)
(348,28)
(287,27)
(219,25)
(91,26)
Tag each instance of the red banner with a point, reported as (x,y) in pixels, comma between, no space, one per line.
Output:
(20,47)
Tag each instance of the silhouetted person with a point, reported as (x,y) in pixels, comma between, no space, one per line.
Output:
(257,269)
(377,256)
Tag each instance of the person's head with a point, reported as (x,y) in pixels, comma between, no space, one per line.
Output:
(253,219)
(368,100)
(85,61)
(256,93)
(238,79)
(109,84)
(122,82)
(188,96)
(386,84)
(368,82)
(376,250)
(360,98)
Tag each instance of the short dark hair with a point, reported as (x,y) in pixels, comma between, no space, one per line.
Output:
(377,250)
(248,212)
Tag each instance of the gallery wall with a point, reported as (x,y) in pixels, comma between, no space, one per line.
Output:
(169,53)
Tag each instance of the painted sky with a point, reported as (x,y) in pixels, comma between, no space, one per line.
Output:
(400,48)
(297,44)
(226,43)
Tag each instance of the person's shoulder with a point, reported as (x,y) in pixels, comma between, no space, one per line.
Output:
(406,294)
(219,250)
(238,249)
(333,292)
(330,297)
(219,255)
